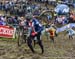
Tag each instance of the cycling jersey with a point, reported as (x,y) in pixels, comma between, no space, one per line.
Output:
(52,32)
(37,26)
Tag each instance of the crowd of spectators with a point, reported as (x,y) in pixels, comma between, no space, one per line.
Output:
(20,8)
(6,20)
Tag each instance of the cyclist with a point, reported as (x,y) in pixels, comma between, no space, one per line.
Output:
(52,32)
(35,32)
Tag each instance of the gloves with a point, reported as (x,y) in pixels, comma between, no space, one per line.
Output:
(33,33)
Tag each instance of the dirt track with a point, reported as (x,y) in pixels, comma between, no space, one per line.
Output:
(63,48)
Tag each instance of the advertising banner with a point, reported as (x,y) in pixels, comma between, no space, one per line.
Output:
(7,32)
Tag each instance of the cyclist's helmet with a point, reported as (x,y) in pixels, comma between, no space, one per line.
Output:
(28,18)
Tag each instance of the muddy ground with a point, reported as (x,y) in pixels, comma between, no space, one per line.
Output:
(63,48)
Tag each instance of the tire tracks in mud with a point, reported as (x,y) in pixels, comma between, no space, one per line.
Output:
(63,48)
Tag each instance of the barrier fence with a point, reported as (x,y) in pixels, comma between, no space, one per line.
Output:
(71,25)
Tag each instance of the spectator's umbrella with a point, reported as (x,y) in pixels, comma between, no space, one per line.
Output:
(61,9)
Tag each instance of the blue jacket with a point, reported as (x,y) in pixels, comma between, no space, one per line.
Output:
(37,25)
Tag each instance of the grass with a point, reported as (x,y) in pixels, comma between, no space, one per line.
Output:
(8,39)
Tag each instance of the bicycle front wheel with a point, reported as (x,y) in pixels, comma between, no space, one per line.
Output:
(20,40)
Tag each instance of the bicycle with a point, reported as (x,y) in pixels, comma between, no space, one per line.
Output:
(19,33)
(23,34)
